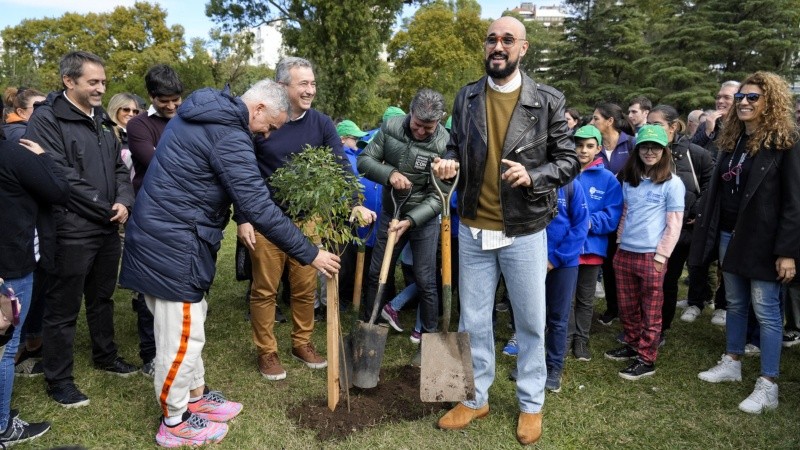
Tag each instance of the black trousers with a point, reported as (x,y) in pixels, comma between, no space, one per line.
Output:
(609,277)
(85,268)
(144,326)
(675,265)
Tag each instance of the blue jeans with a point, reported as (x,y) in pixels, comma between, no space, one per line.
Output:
(404,297)
(523,264)
(560,289)
(23,287)
(766,300)
(423,239)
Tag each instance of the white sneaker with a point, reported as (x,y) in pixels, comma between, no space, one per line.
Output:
(690,314)
(727,369)
(751,350)
(764,396)
(599,292)
(682,304)
(719,317)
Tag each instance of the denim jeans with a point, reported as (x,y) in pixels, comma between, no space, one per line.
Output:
(560,289)
(766,300)
(423,239)
(404,297)
(23,287)
(523,264)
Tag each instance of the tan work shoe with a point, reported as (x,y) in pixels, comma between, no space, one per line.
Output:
(308,355)
(460,416)
(270,367)
(529,428)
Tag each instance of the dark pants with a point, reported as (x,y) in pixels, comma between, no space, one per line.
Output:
(423,239)
(609,279)
(144,326)
(32,328)
(700,290)
(560,288)
(580,318)
(675,265)
(347,274)
(85,267)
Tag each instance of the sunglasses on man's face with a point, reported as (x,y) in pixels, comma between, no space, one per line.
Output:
(127,110)
(751,98)
(507,41)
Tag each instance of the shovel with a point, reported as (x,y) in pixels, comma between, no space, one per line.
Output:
(446,373)
(368,340)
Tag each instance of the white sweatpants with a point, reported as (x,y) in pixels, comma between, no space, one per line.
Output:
(180,337)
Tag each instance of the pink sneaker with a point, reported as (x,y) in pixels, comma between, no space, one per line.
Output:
(191,432)
(391,316)
(214,407)
(415,337)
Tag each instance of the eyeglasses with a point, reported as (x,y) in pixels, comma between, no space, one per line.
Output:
(732,172)
(507,41)
(751,97)
(126,110)
(652,149)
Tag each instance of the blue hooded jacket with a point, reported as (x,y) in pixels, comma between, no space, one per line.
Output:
(372,198)
(567,231)
(604,199)
(204,162)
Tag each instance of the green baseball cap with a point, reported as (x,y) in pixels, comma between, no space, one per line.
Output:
(652,133)
(589,131)
(392,111)
(349,128)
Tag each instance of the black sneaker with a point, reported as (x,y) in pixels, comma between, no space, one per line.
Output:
(791,338)
(320,314)
(623,353)
(279,317)
(29,368)
(149,368)
(607,318)
(20,431)
(67,395)
(637,370)
(119,367)
(581,351)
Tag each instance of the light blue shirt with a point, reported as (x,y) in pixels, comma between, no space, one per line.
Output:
(646,218)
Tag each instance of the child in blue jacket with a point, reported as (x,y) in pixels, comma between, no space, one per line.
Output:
(565,237)
(604,202)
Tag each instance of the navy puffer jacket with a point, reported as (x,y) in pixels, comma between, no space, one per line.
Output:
(204,162)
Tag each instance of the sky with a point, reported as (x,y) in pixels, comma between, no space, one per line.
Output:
(189,13)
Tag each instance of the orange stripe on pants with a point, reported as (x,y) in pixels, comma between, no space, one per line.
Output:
(176,363)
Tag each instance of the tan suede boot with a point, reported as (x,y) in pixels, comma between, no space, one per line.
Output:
(529,428)
(460,416)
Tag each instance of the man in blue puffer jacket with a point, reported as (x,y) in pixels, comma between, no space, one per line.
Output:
(203,163)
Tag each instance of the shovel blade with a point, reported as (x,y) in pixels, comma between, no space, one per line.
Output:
(367,344)
(446,373)
(346,363)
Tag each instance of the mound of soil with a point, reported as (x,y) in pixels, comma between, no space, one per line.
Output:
(393,400)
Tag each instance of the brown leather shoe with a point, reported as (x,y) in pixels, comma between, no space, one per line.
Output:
(460,416)
(270,367)
(529,428)
(308,355)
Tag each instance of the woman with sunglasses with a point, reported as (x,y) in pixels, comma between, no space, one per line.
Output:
(752,217)
(651,221)
(694,167)
(122,108)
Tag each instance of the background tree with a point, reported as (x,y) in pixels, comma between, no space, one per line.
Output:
(439,48)
(341,37)
(129,40)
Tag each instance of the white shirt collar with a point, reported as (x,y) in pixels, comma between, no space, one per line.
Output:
(299,117)
(151,111)
(91,114)
(511,86)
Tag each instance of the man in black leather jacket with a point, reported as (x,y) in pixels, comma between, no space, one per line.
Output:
(511,142)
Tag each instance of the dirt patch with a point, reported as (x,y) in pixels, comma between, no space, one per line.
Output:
(394,399)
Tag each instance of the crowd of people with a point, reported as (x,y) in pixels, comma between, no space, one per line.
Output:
(549,201)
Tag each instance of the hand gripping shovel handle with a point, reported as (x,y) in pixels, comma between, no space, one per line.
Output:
(446,249)
(387,254)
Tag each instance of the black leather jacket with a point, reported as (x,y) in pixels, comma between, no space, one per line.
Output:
(537,137)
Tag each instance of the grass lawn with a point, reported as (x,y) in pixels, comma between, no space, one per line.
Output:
(595,409)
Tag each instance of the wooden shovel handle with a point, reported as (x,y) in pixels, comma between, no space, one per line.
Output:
(359,278)
(446,273)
